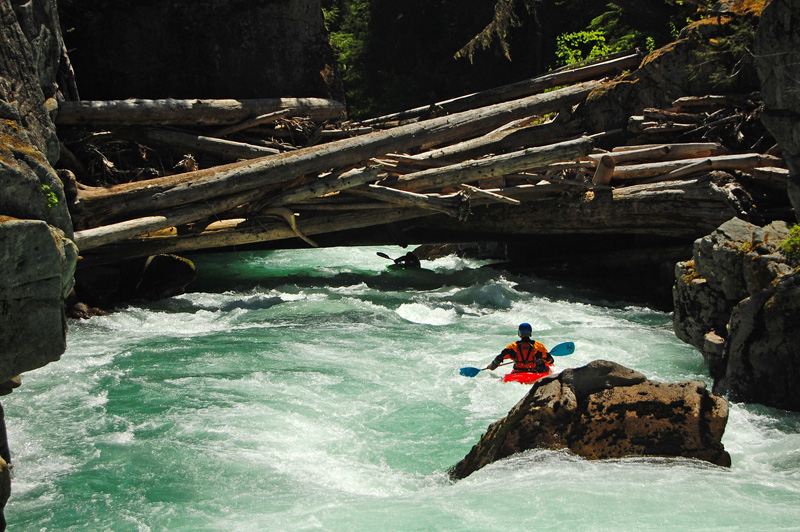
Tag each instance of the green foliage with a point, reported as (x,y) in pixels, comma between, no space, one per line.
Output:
(49,196)
(791,246)
(580,45)
(727,61)
(347,22)
(745,248)
(399,55)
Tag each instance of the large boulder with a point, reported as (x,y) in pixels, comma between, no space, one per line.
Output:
(604,410)
(736,301)
(36,265)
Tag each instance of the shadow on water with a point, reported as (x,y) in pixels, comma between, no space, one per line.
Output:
(254,272)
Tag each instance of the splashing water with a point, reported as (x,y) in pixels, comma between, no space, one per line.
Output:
(316,390)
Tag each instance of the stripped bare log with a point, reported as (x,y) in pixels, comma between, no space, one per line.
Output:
(513,91)
(711,100)
(662,115)
(474,170)
(190,143)
(91,238)
(663,152)
(605,168)
(720,162)
(404,198)
(327,185)
(487,194)
(776,178)
(246,233)
(260,120)
(99,236)
(518,135)
(133,199)
(197,112)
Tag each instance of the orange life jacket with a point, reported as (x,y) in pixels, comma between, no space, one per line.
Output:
(525,355)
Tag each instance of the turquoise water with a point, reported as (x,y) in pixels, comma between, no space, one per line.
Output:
(315,390)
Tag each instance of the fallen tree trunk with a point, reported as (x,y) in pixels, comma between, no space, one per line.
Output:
(662,152)
(245,234)
(514,90)
(404,198)
(499,165)
(197,112)
(133,199)
(254,122)
(605,168)
(508,136)
(685,209)
(187,142)
(720,162)
(103,235)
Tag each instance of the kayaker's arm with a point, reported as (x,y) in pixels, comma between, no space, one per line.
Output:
(504,354)
(548,358)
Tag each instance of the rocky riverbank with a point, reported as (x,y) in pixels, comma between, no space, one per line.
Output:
(738,301)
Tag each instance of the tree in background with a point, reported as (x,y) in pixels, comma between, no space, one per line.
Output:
(395,55)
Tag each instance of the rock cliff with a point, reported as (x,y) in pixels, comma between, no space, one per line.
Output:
(738,298)
(37,257)
(738,301)
(777,49)
(604,410)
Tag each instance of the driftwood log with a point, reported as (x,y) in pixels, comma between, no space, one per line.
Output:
(196,112)
(516,90)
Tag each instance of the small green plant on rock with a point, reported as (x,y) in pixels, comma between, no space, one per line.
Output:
(49,196)
(791,246)
(745,248)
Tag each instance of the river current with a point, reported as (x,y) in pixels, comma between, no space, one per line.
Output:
(316,390)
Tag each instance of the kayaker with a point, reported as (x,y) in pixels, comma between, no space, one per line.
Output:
(409,260)
(529,356)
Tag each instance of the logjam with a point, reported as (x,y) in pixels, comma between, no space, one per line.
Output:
(510,160)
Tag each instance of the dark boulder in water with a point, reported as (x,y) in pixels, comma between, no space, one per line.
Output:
(604,410)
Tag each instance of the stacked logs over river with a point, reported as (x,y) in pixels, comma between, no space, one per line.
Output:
(146,177)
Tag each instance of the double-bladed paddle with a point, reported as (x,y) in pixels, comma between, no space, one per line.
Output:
(564,349)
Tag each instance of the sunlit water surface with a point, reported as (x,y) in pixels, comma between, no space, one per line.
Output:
(315,390)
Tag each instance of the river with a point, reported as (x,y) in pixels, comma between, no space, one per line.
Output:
(316,390)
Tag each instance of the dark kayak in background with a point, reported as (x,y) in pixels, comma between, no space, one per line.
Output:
(404,268)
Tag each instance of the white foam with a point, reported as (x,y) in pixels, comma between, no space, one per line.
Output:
(423,314)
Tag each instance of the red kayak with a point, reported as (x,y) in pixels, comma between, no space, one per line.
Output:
(526,377)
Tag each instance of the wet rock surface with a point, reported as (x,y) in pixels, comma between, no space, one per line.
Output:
(604,410)
(738,301)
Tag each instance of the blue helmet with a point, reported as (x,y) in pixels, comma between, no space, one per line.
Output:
(525,329)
